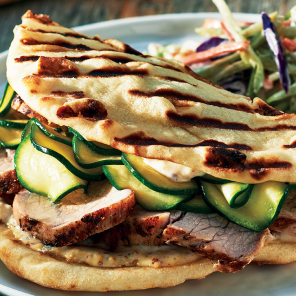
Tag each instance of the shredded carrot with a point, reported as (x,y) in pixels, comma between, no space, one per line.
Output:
(289,44)
(197,57)
(226,31)
(287,23)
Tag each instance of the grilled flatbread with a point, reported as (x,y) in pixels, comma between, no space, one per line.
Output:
(154,108)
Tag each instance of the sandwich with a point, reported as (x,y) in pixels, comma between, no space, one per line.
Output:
(134,172)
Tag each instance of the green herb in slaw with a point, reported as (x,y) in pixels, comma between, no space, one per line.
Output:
(249,70)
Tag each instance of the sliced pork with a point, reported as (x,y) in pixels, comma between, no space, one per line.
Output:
(215,238)
(286,220)
(77,217)
(141,227)
(8,180)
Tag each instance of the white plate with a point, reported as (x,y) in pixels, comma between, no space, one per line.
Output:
(253,280)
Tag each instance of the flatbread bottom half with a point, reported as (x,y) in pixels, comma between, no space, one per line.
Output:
(52,273)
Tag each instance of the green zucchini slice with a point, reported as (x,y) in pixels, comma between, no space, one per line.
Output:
(10,137)
(63,153)
(234,193)
(50,132)
(96,147)
(195,205)
(258,213)
(155,180)
(213,180)
(88,159)
(121,178)
(10,133)
(43,174)
(5,103)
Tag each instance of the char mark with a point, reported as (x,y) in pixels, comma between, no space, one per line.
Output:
(31,58)
(194,120)
(292,145)
(109,72)
(266,110)
(61,43)
(174,79)
(67,34)
(191,119)
(88,109)
(140,139)
(259,168)
(176,96)
(230,159)
(234,160)
(76,94)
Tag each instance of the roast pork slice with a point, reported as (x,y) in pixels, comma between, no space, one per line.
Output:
(77,217)
(286,220)
(8,179)
(141,227)
(215,238)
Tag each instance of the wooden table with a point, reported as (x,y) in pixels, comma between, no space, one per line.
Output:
(72,13)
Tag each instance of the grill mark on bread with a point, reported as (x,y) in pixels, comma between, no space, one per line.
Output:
(176,96)
(76,94)
(57,42)
(225,158)
(234,160)
(266,110)
(108,72)
(175,79)
(292,145)
(191,119)
(259,168)
(194,120)
(140,139)
(21,59)
(65,34)
(89,109)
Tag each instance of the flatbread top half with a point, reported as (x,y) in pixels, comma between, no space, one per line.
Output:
(154,108)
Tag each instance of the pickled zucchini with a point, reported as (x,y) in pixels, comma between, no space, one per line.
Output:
(195,205)
(5,103)
(44,174)
(88,159)
(63,153)
(98,148)
(155,180)
(262,208)
(121,178)
(50,132)
(236,194)
(10,133)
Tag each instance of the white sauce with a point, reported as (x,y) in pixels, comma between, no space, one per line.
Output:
(279,237)
(174,171)
(151,256)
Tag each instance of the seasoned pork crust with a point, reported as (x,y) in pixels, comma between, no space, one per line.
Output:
(8,180)
(77,217)
(215,238)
